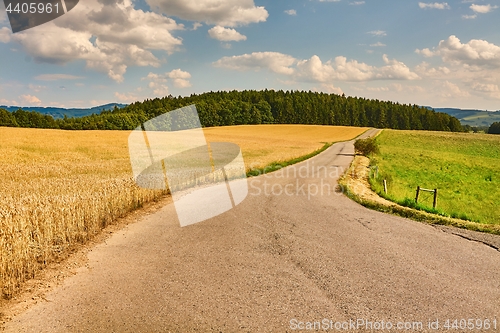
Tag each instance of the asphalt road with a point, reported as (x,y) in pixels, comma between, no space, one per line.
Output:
(274,263)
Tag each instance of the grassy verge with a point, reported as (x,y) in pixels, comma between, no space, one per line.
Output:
(463,167)
(355,184)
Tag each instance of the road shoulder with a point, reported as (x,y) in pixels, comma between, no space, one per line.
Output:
(356,185)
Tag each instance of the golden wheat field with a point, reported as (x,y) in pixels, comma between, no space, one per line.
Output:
(60,188)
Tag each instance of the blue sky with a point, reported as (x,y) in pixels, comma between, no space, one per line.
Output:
(441,54)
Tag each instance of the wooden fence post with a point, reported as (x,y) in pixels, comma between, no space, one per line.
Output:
(434,204)
(385,186)
(418,192)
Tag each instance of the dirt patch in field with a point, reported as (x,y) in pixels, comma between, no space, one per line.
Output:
(356,179)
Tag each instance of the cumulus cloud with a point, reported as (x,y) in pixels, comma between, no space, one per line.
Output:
(397,87)
(125,97)
(476,52)
(180,78)
(228,13)
(469,68)
(274,61)
(435,5)
(343,70)
(158,82)
(451,90)
(314,70)
(469,17)
(291,12)
(30,100)
(482,9)
(110,36)
(196,25)
(485,87)
(8,102)
(226,34)
(330,88)
(425,52)
(425,70)
(5,35)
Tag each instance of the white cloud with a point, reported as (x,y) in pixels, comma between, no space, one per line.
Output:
(329,0)
(394,88)
(227,13)
(379,33)
(425,52)
(378,44)
(435,5)
(378,89)
(488,88)
(274,61)
(126,97)
(291,12)
(55,77)
(450,90)
(330,88)
(158,82)
(482,9)
(476,52)
(355,71)
(469,17)
(109,37)
(425,70)
(196,25)
(5,35)
(314,70)
(226,34)
(180,78)
(357,3)
(8,102)
(30,100)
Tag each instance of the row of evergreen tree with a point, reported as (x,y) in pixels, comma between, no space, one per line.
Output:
(254,107)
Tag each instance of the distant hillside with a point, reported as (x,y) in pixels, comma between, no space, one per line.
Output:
(473,117)
(58,113)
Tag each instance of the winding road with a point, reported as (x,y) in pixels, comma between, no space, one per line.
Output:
(294,253)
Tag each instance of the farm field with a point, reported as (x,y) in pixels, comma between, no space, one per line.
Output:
(58,188)
(465,168)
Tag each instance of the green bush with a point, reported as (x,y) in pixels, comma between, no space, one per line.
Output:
(494,128)
(366,146)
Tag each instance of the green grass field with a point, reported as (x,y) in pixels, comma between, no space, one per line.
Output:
(465,168)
